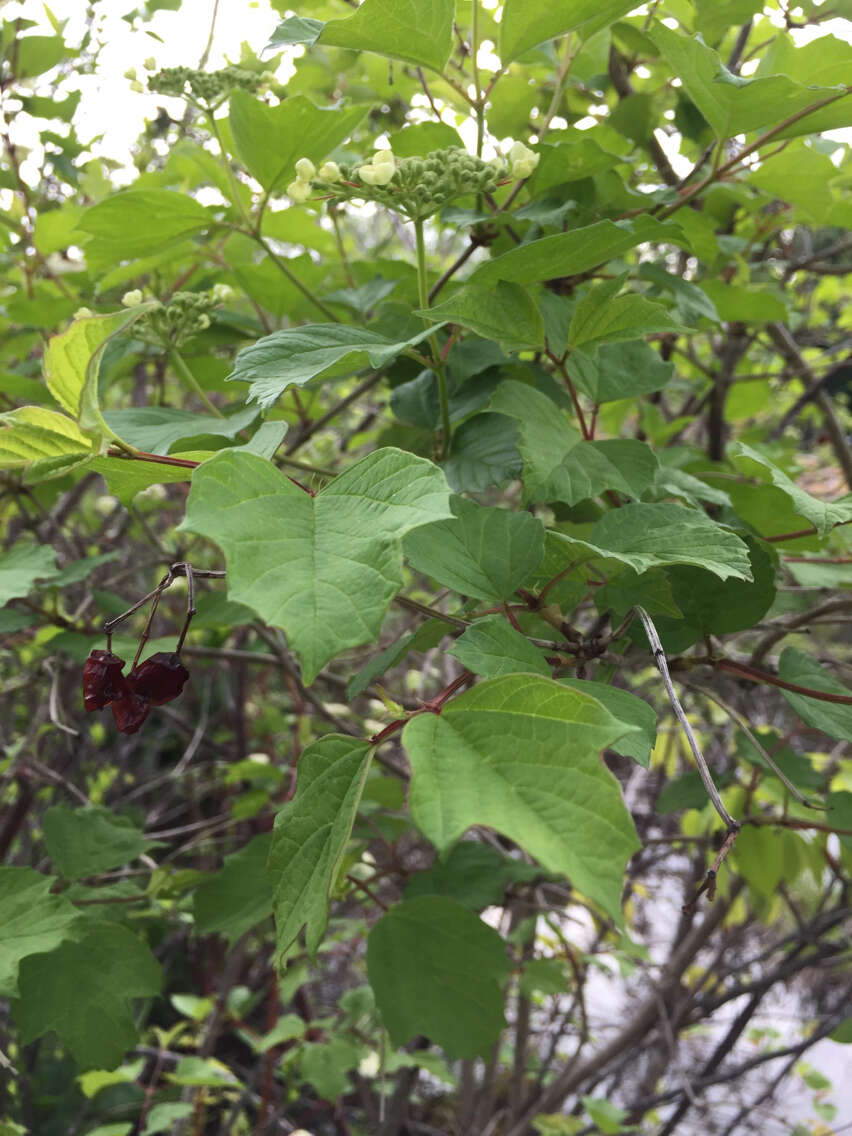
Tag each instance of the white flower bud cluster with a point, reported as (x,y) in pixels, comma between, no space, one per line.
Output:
(183,315)
(414,186)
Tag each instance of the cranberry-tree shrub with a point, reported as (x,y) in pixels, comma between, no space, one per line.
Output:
(481,372)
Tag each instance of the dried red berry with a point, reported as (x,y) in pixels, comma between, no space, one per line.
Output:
(103,681)
(129,711)
(159,679)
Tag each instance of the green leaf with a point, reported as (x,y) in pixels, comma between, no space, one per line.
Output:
(296,29)
(421,138)
(135,222)
(543,976)
(557,465)
(832,718)
(646,536)
(684,792)
(82,991)
(748,305)
(624,589)
(759,857)
(323,568)
(285,1029)
(794,766)
(162,1117)
(472,873)
(608,1118)
(566,254)
(270,140)
(419,31)
(521,754)
(526,23)
(628,708)
(203,1071)
(692,304)
(327,1065)
(81,842)
(505,312)
(481,552)
(437,969)
(484,453)
(492,647)
(803,177)
(92,1083)
(72,362)
(364,299)
(125,477)
(619,370)
(296,355)
(711,606)
(155,429)
(33,55)
(21,566)
(238,896)
(839,808)
(602,316)
(310,836)
(41,443)
(826,59)
(12,620)
(79,570)
(823,515)
(671,482)
(561,162)
(427,635)
(730,104)
(32,920)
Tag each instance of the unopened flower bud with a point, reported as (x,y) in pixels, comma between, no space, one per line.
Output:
(522,160)
(203,321)
(299,190)
(305,169)
(83,313)
(150,64)
(132,299)
(375,175)
(330,171)
(222,293)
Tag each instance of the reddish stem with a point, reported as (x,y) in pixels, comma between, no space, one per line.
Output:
(184,463)
(800,533)
(745,671)
(433,706)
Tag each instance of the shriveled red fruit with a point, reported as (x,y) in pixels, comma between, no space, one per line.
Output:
(159,679)
(129,711)
(103,681)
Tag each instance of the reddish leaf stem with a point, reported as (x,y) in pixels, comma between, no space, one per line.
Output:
(433,706)
(745,671)
(184,463)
